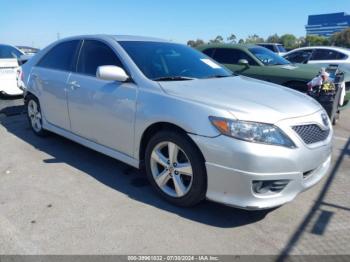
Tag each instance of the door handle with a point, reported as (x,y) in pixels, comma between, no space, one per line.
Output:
(74,85)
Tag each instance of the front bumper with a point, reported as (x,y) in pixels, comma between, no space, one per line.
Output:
(232,166)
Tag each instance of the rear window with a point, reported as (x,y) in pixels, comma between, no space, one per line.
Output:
(61,56)
(7,51)
(327,54)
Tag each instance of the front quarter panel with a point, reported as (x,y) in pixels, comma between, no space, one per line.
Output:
(157,107)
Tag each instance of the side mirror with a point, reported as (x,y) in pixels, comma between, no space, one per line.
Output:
(111,73)
(243,62)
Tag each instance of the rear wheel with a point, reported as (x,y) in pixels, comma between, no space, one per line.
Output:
(34,115)
(175,168)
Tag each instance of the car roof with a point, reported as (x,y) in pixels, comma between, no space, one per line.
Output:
(233,46)
(269,44)
(335,48)
(117,38)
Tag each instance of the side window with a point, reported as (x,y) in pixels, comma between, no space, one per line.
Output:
(324,54)
(94,54)
(61,56)
(9,52)
(231,56)
(299,56)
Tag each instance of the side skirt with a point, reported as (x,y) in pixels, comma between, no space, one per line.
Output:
(92,145)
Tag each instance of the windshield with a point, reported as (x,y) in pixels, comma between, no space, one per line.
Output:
(172,62)
(268,57)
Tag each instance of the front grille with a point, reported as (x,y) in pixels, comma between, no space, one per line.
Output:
(311,133)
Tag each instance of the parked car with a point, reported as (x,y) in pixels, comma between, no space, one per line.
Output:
(28,50)
(274,47)
(199,131)
(261,63)
(319,55)
(9,56)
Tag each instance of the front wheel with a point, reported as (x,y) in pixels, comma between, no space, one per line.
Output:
(34,115)
(175,168)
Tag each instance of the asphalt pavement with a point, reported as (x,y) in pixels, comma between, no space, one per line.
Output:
(58,197)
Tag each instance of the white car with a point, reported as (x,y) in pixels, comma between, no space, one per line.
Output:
(9,70)
(319,55)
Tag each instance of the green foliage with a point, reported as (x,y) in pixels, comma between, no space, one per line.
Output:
(342,38)
(232,38)
(216,40)
(289,41)
(254,39)
(313,40)
(273,39)
(195,43)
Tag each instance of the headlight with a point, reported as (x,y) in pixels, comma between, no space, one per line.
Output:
(252,131)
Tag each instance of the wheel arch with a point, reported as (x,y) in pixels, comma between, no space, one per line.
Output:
(155,128)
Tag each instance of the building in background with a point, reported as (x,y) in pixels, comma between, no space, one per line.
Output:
(327,24)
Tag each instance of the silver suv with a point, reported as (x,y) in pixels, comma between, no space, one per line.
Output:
(198,130)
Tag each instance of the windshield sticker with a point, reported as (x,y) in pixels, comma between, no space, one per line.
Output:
(210,63)
(290,67)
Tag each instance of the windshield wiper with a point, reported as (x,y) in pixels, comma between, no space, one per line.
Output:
(172,78)
(220,76)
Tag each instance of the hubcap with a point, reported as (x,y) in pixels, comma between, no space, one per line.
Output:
(34,115)
(171,169)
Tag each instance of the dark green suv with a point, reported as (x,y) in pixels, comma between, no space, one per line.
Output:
(259,62)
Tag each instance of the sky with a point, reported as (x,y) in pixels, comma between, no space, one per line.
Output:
(39,23)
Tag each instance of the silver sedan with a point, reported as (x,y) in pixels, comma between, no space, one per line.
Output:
(198,130)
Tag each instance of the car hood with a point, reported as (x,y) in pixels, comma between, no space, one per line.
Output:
(246,98)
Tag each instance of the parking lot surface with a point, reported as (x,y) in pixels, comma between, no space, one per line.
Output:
(57,197)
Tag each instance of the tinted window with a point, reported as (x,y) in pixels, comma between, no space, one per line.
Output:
(61,56)
(94,54)
(209,52)
(270,47)
(299,56)
(163,60)
(231,56)
(9,52)
(326,54)
(281,48)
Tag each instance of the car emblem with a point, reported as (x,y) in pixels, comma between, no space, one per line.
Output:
(324,119)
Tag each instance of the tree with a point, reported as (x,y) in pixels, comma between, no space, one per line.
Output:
(313,40)
(195,43)
(241,41)
(289,41)
(218,39)
(254,39)
(342,38)
(273,39)
(232,38)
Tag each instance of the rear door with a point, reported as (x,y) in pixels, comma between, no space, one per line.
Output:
(101,111)
(50,77)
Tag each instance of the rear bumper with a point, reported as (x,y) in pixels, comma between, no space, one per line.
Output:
(10,88)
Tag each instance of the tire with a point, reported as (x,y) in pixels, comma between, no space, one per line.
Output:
(336,118)
(176,185)
(34,115)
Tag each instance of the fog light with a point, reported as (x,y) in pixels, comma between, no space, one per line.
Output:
(265,186)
